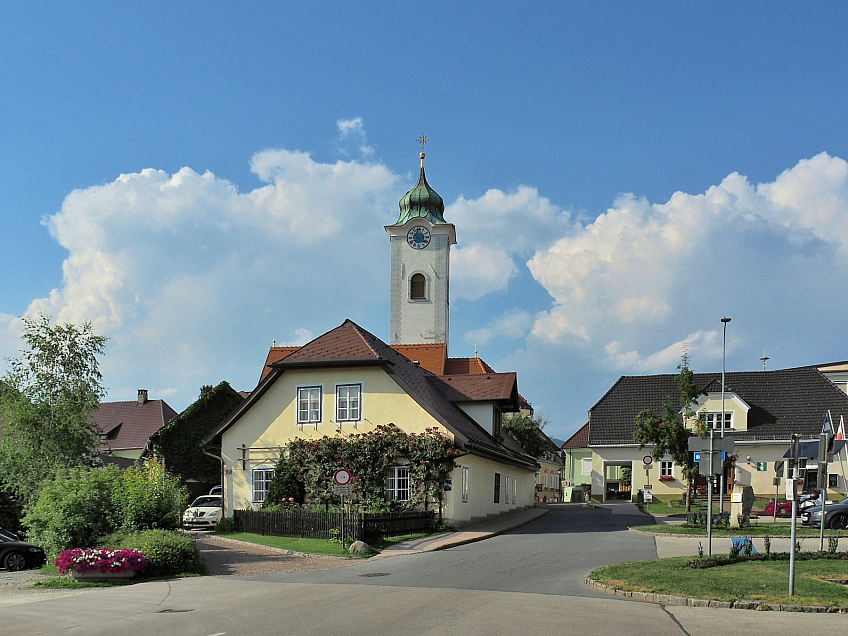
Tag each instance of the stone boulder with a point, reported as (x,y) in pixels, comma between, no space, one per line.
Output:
(358,547)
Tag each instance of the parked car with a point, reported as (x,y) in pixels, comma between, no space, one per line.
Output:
(215,490)
(836,516)
(19,555)
(204,512)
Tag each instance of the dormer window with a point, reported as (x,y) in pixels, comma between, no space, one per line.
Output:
(497,423)
(418,287)
(713,420)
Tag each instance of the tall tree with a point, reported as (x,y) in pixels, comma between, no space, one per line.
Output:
(526,430)
(667,433)
(45,399)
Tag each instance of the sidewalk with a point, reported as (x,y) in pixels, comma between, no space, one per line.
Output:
(478,532)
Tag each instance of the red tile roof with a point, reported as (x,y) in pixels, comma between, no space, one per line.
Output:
(471,388)
(429,356)
(466,366)
(579,440)
(128,425)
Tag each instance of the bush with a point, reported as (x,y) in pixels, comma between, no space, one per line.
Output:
(149,498)
(226,524)
(167,553)
(73,510)
(284,485)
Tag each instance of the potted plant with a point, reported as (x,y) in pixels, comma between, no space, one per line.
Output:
(101,564)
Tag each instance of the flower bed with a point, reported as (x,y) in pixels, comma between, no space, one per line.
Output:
(101,560)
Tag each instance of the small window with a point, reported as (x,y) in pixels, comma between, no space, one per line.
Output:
(713,420)
(465,484)
(514,489)
(832,481)
(497,423)
(586,466)
(397,483)
(667,469)
(347,402)
(309,405)
(497,488)
(261,481)
(418,287)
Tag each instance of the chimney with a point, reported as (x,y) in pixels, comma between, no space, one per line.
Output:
(142,396)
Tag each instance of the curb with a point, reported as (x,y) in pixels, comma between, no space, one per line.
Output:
(688,601)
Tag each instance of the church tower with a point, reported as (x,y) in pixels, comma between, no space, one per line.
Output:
(420,289)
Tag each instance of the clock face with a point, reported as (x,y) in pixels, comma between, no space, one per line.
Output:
(418,237)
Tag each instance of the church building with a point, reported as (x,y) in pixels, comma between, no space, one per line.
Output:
(347,382)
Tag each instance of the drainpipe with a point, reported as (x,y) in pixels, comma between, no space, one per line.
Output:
(223,490)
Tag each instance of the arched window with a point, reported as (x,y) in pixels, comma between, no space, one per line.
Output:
(418,287)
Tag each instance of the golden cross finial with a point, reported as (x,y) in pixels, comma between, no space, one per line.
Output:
(423,140)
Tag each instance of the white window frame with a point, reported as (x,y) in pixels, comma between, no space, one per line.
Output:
(713,420)
(266,475)
(584,462)
(348,417)
(464,484)
(496,489)
(514,489)
(666,468)
(307,416)
(395,476)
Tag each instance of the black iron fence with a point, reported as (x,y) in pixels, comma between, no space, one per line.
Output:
(368,527)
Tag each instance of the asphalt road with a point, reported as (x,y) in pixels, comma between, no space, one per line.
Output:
(525,582)
(550,556)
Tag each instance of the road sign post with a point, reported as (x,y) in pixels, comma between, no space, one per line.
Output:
(341,480)
(795,448)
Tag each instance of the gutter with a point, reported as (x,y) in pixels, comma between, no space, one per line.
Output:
(223,490)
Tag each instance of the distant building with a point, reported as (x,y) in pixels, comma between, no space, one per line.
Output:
(125,427)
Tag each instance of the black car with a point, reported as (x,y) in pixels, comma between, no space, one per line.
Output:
(836,515)
(18,555)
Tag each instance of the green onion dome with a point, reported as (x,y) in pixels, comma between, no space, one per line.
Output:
(422,202)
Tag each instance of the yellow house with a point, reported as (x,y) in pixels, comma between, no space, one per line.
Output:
(347,382)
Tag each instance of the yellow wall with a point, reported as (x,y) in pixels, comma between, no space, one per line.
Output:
(271,423)
(480,504)
(745,471)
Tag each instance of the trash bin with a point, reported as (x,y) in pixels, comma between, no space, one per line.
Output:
(640,498)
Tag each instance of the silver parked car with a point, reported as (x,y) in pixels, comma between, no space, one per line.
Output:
(204,512)
(836,515)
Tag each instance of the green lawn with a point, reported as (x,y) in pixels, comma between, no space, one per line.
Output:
(314,546)
(761,530)
(766,581)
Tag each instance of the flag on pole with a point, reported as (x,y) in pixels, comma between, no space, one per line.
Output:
(827,425)
(840,434)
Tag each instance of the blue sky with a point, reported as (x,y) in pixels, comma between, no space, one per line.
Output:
(198,179)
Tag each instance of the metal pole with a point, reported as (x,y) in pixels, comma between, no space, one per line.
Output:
(710,498)
(724,322)
(793,534)
(343,524)
(823,496)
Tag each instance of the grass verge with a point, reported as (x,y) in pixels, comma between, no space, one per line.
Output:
(766,581)
(772,530)
(325,547)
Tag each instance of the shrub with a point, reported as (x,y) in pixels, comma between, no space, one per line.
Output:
(167,553)
(73,510)
(149,498)
(226,524)
(284,485)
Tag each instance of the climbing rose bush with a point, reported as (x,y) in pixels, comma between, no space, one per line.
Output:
(101,560)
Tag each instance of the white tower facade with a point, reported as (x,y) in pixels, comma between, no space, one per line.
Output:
(420,272)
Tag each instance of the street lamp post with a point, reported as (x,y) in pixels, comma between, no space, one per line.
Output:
(724,322)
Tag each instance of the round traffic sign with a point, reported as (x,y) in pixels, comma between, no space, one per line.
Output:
(342,477)
(647,459)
